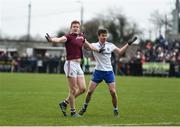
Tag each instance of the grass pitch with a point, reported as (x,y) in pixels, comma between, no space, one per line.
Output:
(32,99)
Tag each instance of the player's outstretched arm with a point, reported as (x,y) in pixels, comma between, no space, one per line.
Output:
(122,50)
(90,47)
(55,39)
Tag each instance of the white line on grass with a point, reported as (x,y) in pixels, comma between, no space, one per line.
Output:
(133,124)
(146,124)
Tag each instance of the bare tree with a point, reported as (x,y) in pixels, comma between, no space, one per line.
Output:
(117,24)
(160,21)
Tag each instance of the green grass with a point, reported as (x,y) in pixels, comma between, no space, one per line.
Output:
(32,99)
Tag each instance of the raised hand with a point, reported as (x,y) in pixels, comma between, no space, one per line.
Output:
(132,40)
(48,37)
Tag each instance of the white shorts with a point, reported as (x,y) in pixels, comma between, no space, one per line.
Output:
(73,69)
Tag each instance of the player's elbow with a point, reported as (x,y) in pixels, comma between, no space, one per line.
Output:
(90,47)
(119,52)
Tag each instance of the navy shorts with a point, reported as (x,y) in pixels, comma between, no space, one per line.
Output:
(99,76)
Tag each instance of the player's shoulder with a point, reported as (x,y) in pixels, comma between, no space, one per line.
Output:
(67,35)
(109,44)
(71,36)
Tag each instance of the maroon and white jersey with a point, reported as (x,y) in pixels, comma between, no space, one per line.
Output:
(74,46)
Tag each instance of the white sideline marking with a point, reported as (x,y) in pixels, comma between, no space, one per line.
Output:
(146,124)
(133,124)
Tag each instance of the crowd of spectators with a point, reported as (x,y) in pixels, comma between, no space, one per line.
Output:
(25,63)
(160,51)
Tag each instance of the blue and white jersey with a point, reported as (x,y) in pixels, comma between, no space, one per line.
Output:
(104,59)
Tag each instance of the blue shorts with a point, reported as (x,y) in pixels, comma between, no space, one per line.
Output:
(99,76)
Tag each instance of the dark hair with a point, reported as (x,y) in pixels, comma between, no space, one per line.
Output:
(75,22)
(102,31)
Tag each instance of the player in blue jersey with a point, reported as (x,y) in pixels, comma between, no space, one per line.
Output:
(103,69)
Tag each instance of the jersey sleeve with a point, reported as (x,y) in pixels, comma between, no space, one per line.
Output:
(113,47)
(67,36)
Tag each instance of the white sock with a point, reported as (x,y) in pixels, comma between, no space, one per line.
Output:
(116,108)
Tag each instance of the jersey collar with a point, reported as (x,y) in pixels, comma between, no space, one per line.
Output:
(102,44)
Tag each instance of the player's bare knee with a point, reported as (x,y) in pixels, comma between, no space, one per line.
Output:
(73,91)
(82,90)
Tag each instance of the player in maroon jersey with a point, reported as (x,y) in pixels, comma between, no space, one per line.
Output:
(74,41)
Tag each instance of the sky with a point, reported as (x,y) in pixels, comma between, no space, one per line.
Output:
(53,15)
